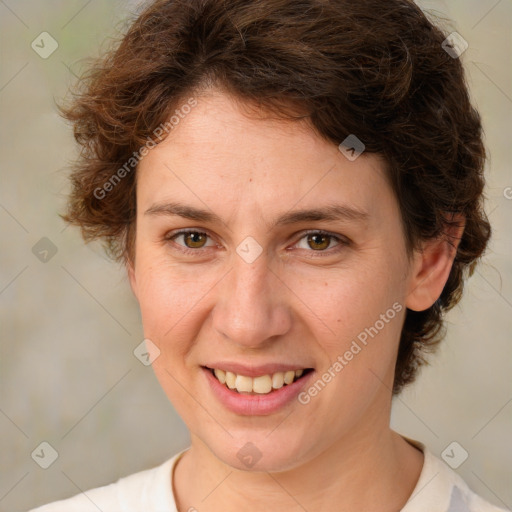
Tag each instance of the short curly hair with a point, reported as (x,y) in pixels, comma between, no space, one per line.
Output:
(380,70)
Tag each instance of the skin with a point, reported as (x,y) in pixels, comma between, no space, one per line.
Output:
(336,452)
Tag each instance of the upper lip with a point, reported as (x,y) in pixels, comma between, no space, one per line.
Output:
(255,370)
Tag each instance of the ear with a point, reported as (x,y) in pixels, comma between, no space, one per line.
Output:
(130,270)
(432,264)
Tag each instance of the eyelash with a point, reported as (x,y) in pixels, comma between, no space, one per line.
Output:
(342,242)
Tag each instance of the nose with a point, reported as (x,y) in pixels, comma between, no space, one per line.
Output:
(251,308)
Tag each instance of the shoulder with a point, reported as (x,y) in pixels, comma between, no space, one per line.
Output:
(441,489)
(149,490)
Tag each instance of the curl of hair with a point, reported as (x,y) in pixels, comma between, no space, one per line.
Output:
(370,68)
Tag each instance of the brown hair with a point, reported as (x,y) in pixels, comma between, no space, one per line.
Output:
(370,68)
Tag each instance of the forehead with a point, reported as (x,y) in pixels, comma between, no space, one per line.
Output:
(222,154)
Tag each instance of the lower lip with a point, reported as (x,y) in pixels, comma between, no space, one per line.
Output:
(256,405)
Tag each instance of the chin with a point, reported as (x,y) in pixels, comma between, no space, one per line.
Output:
(250,450)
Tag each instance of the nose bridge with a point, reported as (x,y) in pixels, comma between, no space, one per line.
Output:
(250,309)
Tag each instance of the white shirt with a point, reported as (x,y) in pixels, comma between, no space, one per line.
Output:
(439,489)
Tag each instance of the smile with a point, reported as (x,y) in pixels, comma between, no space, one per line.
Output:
(256,390)
(259,385)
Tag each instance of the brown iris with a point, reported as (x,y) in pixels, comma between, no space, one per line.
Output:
(198,239)
(316,237)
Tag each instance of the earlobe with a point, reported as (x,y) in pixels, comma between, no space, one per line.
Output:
(432,265)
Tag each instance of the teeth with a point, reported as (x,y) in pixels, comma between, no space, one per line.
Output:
(221,375)
(230,380)
(243,384)
(278,380)
(289,376)
(262,385)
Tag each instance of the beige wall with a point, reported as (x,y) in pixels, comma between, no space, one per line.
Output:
(69,326)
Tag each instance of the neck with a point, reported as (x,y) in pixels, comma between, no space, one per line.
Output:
(374,470)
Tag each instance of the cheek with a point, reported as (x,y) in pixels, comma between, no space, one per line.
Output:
(365,310)
(173,302)
(348,301)
(167,299)
(165,290)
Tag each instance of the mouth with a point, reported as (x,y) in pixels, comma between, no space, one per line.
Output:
(258,385)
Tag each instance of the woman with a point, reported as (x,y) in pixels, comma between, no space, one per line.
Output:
(296,191)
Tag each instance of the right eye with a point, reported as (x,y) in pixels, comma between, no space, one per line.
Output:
(193,240)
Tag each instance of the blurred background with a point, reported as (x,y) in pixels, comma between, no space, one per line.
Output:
(69,324)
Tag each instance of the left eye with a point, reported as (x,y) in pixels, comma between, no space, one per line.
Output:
(318,241)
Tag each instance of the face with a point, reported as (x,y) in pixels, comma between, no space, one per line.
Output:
(256,288)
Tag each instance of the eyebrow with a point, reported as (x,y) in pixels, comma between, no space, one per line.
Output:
(330,212)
